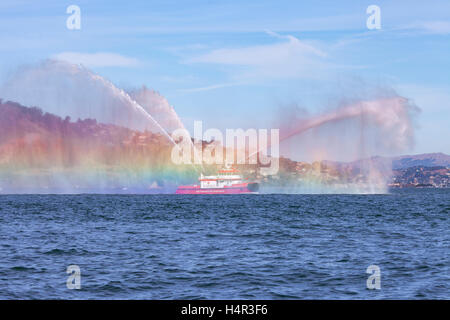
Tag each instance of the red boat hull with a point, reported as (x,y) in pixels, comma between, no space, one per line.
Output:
(243,188)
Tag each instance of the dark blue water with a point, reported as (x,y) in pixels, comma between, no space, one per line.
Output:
(226,247)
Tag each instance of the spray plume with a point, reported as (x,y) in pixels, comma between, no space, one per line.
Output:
(392,115)
(66,89)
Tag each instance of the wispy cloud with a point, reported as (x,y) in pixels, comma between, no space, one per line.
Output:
(261,54)
(99,59)
(428,27)
(212,87)
(436,27)
(289,58)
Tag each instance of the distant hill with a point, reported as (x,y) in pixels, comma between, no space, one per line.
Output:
(438,159)
(425,160)
(32,138)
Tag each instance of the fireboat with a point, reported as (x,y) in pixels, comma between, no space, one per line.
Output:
(227,181)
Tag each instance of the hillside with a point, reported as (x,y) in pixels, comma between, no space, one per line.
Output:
(41,150)
(425,160)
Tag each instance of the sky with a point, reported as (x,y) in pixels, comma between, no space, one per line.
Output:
(235,64)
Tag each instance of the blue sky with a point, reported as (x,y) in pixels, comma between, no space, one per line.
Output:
(236,62)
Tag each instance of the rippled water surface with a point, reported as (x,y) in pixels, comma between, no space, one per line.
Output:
(226,247)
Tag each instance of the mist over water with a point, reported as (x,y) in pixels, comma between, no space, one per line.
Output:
(83,153)
(391,116)
(353,129)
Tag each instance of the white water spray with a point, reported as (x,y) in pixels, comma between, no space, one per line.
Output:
(72,90)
